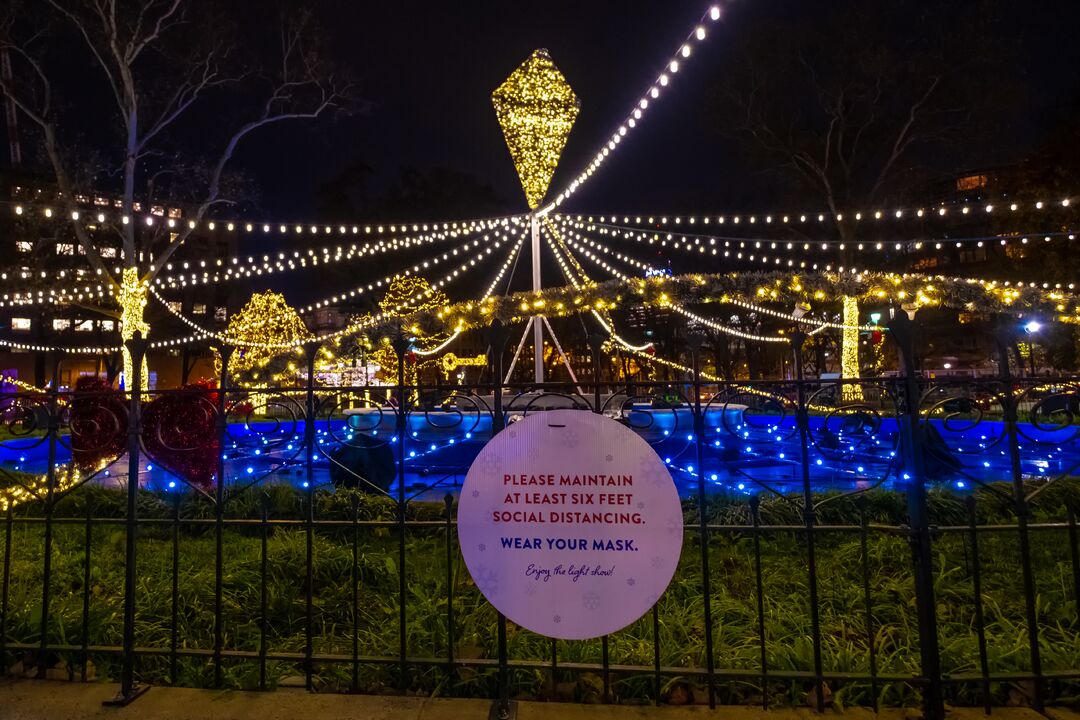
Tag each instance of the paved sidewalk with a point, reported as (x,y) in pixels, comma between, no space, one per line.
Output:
(47,700)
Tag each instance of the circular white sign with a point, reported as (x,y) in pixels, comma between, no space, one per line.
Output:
(570,524)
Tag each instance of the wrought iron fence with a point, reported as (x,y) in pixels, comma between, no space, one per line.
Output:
(890,540)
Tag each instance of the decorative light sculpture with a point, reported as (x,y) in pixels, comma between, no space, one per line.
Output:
(536,109)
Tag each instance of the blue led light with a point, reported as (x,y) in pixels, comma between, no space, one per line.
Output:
(250,470)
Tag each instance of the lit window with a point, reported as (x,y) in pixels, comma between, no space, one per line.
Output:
(108,325)
(971,182)
(20,323)
(199,309)
(84,326)
(108,252)
(61,324)
(174,306)
(219,313)
(65,249)
(24,245)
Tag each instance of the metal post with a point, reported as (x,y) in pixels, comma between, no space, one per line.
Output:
(129,689)
(401,346)
(903,332)
(311,352)
(502,708)
(694,341)
(1022,510)
(537,286)
(53,430)
(802,419)
(221,426)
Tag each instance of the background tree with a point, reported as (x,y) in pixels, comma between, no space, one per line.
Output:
(855,121)
(165,71)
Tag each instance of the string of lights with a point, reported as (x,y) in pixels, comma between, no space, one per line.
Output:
(357,326)
(940,210)
(487,293)
(829,267)
(315,257)
(719,327)
(265,227)
(694,244)
(221,270)
(555,243)
(820,325)
(631,121)
(697,242)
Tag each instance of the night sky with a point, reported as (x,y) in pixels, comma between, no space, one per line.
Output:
(427,71)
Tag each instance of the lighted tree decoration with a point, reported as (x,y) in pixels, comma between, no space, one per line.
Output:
(266,319)
(409,294)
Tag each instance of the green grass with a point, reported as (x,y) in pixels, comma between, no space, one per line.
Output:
(846,636)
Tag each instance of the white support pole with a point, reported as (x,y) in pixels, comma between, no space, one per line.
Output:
(517,353)
(538,328)
(558,346)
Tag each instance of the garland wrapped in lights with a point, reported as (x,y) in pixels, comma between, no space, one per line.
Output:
(758,288)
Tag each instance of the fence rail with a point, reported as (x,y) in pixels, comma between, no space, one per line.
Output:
(890,540)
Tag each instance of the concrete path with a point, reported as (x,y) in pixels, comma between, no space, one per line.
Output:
(46,700)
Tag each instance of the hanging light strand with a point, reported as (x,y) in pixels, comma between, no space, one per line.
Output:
(651,95)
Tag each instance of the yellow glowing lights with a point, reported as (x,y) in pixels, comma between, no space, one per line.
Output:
(536,108)
(261,328)
(132,301)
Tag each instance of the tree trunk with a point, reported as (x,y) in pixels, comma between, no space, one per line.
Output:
(849,348)
(132,300)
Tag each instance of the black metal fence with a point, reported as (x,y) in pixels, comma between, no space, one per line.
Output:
(886,540)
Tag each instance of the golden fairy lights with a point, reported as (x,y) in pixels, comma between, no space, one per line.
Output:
(536,108)
(671,68)
(264,322)
(132,301)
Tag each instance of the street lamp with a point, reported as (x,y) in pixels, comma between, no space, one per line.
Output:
(1032,327)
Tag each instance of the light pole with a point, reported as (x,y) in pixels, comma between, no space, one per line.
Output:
(1032,327)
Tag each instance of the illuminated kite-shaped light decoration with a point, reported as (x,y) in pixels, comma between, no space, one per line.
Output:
(536,108)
